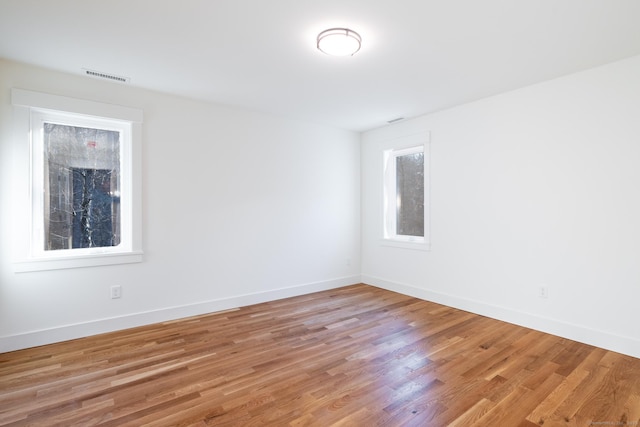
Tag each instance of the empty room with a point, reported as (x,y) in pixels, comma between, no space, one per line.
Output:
(305,213)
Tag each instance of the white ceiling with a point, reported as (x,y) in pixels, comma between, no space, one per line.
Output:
(417,56)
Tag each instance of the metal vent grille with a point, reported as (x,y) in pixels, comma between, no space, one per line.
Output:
(101,75)
(395,120)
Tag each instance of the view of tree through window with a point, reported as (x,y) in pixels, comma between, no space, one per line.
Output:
(410,194)
(82,187)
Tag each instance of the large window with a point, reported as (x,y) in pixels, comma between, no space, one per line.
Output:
(77,178)
(82,209)
(405,199)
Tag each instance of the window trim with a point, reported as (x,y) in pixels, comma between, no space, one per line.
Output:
(390,151)
(30,107)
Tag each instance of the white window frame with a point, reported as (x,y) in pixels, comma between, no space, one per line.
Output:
(390,152)
(32,110)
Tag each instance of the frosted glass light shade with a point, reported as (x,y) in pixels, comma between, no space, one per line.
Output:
(339,42)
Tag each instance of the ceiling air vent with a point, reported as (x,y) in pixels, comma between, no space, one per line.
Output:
(101,75)
(395,120)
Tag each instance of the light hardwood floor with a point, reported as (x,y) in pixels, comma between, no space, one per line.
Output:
(355,356)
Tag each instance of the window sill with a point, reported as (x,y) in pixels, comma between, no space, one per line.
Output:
(418,246)
(96,260)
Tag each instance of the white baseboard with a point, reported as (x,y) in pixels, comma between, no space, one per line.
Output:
(598,338)
(603,339)
(99,326)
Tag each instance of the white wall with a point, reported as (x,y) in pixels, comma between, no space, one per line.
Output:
(536,186)
(238,207)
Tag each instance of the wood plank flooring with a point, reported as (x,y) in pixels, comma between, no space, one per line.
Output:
(355,356)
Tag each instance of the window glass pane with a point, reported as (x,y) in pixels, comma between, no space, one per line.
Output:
(82,187)
(410,194)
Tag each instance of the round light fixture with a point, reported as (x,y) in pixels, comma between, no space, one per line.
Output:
(339,42)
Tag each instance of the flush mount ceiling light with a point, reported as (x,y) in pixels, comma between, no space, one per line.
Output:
(339,42)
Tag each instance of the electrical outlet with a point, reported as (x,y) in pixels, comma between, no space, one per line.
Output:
(543,291)
(116,291)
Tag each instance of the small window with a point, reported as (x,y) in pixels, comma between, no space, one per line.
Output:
(405,197)
(81,210)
